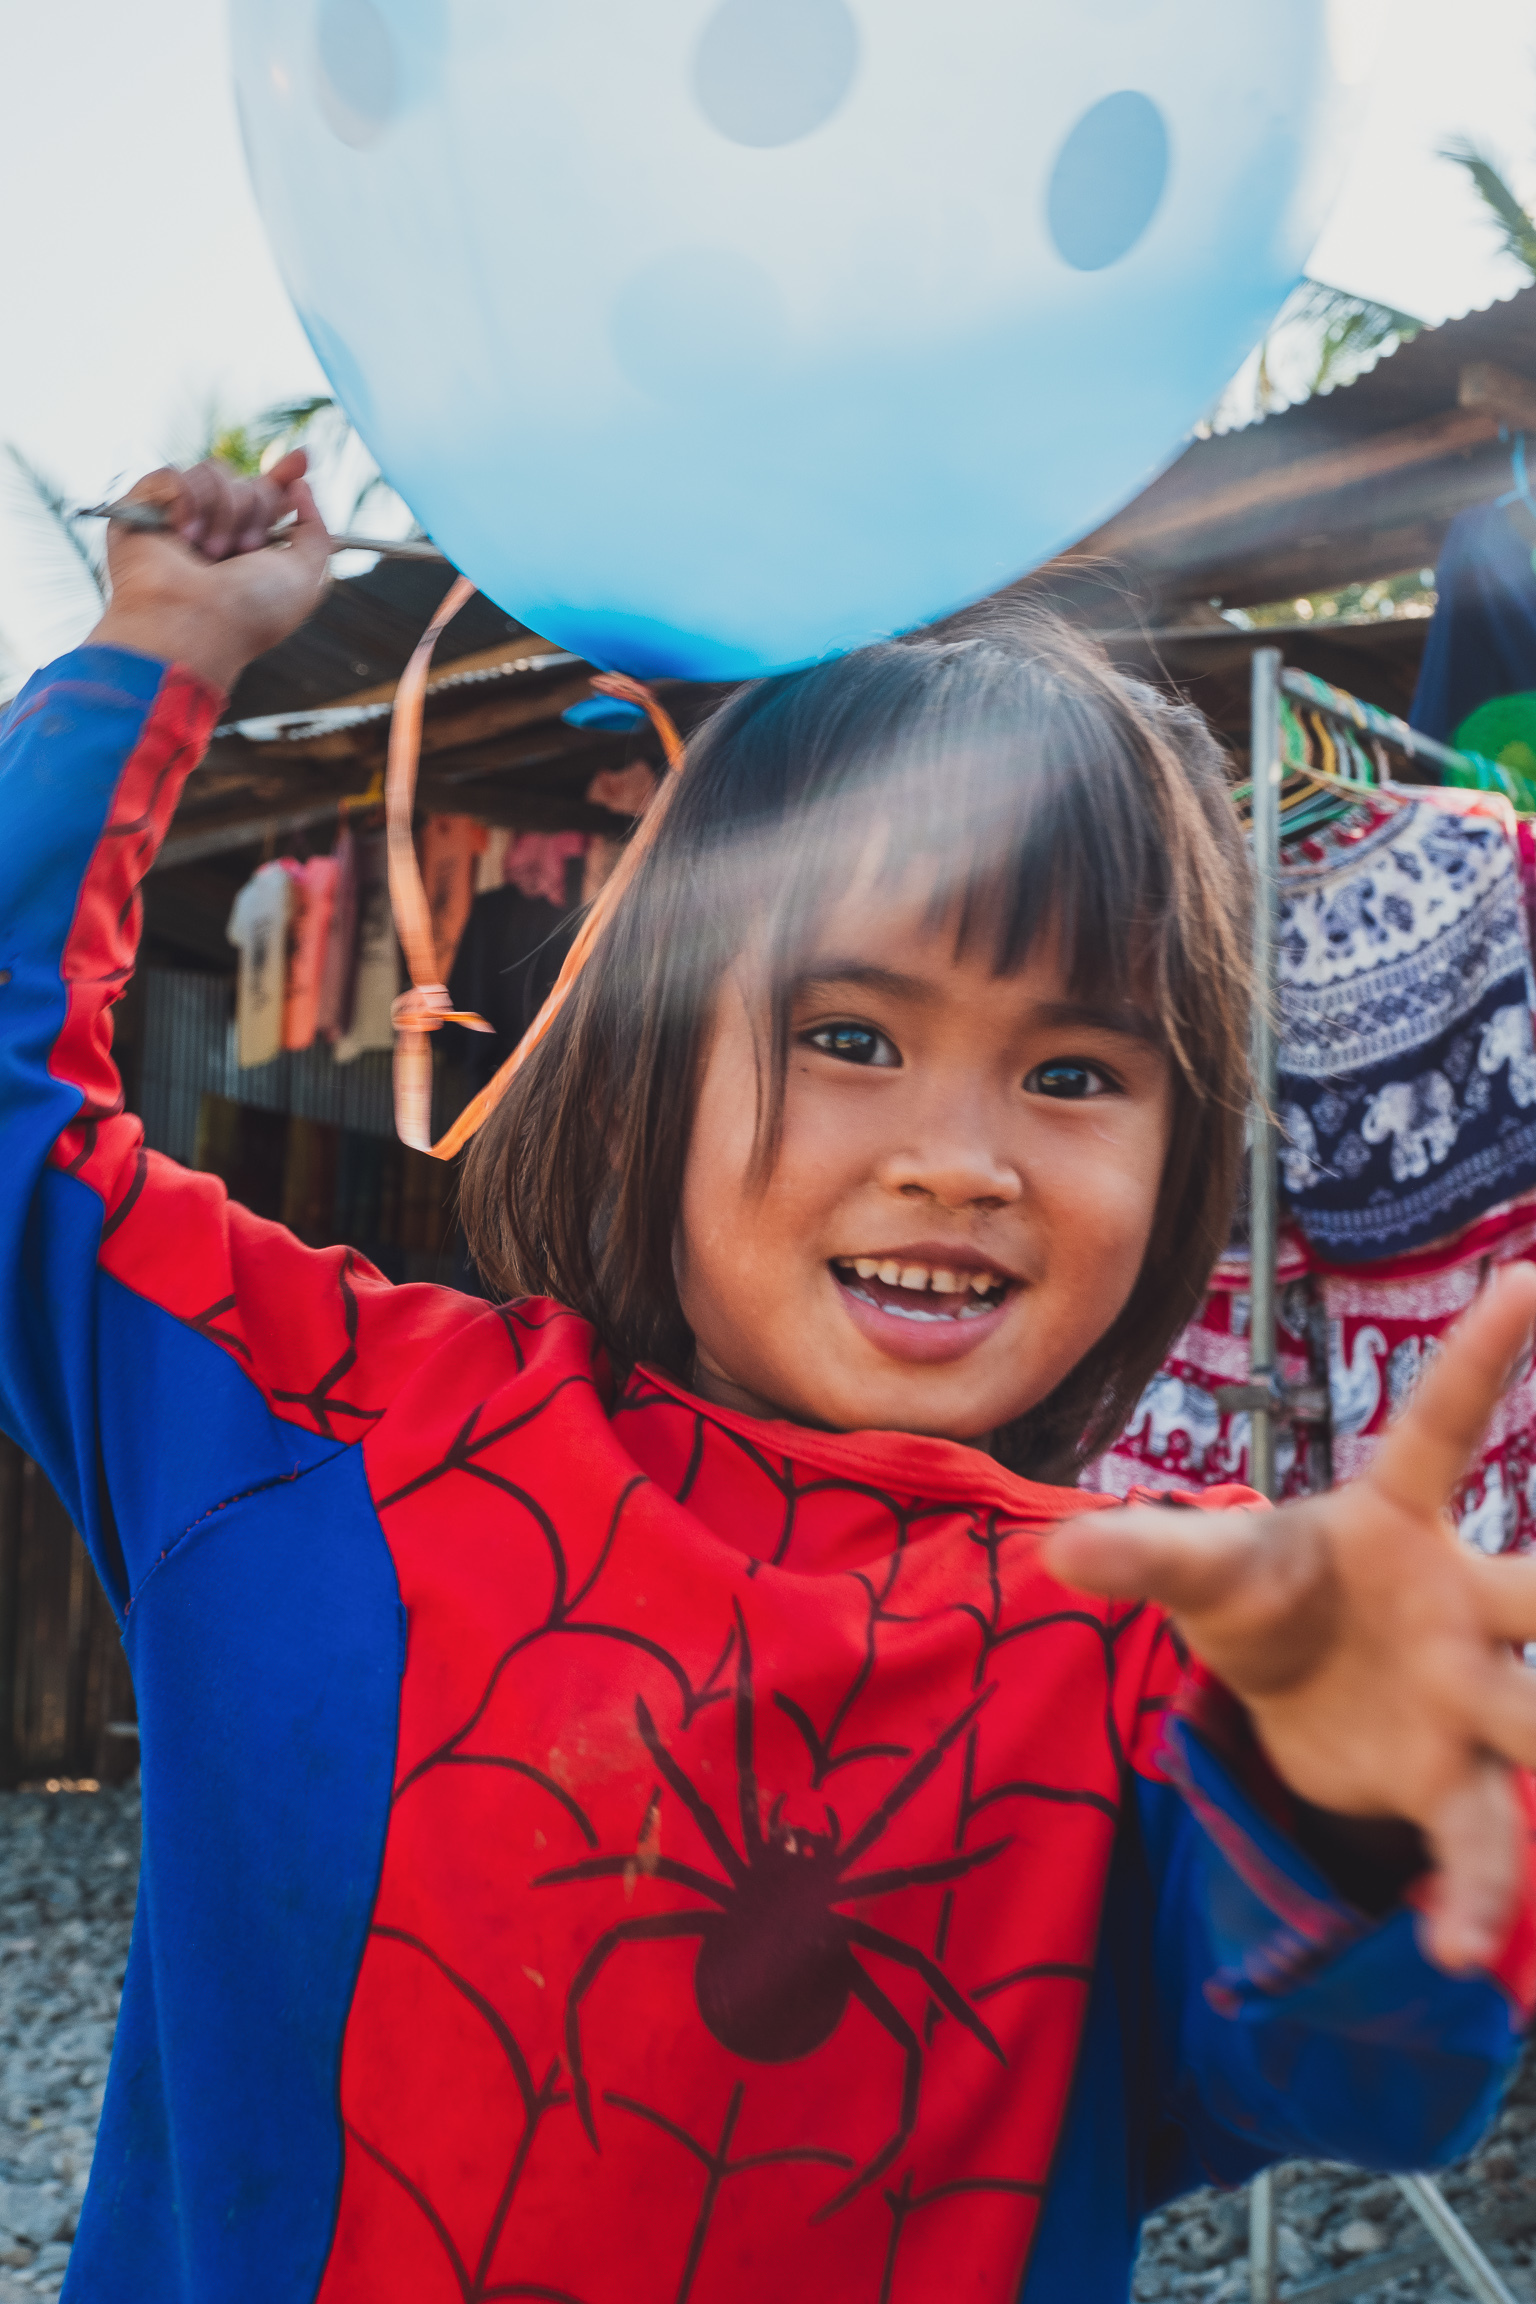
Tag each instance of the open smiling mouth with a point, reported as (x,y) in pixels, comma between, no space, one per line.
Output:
(936,1295)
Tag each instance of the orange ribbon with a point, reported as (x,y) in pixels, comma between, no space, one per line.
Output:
(419,1012)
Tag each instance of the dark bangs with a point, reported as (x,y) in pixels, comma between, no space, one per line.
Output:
(1030,791)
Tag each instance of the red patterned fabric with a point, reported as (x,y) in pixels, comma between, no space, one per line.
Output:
(1385,1324)
(1179,1434)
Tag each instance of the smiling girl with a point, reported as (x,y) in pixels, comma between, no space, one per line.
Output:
(659,1787)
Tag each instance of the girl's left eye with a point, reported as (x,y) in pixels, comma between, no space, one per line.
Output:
(854,1044)
(1067,1080)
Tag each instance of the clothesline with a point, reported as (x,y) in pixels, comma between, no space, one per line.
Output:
(1469,769)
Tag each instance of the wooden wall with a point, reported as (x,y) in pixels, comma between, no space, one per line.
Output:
(64,1681)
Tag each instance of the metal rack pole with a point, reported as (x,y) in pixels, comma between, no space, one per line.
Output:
(1263,1390)
(1264,1213)
(1263,1226)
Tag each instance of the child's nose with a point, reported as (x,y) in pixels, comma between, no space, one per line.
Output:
(952,1174)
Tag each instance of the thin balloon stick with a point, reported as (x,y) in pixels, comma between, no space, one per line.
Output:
(153,519)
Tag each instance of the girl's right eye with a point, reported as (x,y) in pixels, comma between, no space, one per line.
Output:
(854,1044)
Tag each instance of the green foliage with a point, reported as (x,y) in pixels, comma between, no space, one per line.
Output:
(1324,336)
(247,445)
(47,508)
(1515,224)
(1411,594)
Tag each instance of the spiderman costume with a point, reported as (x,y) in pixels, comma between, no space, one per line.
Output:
(599,1846)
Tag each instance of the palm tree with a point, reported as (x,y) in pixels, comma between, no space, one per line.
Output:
(1323,336)
(44,504)
(320,422)
(247,443)
(1515,224)
(1504,208)
(64,568)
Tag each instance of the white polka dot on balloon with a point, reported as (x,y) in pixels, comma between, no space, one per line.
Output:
(767,72)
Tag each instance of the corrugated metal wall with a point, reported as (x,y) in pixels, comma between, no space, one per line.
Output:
(190,1052)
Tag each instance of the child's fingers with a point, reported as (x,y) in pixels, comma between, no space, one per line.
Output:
(1502,1711)
(1426,1452)
(1477,1839)
(1506,1596)
(211,493)
(308,536)
(1185,1560)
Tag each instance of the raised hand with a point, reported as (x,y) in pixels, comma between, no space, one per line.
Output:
(209,591)
(1377,1659)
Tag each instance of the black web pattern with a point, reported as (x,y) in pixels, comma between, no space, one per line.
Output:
(321,1400)
(474,2279)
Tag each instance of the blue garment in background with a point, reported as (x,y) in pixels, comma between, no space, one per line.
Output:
(1482,640)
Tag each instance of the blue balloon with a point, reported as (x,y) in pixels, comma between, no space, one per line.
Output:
(711,336)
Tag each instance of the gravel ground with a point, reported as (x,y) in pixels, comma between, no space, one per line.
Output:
(69,1867)
(69,1863)
(1336,2222)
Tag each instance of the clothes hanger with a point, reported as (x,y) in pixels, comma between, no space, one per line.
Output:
(362,801)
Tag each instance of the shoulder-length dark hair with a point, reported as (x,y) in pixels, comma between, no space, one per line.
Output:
(1043,794)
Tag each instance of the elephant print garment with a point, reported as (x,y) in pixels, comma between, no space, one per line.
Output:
(1407,1091)
(1352,1343)
(599,1848)
(1181,1436)
(1384,1329)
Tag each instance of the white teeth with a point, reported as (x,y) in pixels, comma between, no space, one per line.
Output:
(920,1279)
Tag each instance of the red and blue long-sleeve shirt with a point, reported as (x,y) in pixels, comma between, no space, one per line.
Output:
(599,1847)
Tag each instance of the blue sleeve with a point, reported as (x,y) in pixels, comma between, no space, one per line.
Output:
(65,750)
(96,1374)
(1287,2020)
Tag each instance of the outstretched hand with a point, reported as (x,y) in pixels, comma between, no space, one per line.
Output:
(209,590)
(1378,1659)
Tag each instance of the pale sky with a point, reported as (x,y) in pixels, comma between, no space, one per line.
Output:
(138,292)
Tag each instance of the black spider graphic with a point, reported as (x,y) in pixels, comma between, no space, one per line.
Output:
(776,1966)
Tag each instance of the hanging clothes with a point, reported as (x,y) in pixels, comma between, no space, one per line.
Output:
(378,955)
(1385,1326)
(1407,1077)
(541,864)
(1482,637)
(628,792)
(1461,800)
(338,972)
(258,929)
(450,848)
(491,863)
(1525,849)
(313,888)
(508,959)
(1179,1435)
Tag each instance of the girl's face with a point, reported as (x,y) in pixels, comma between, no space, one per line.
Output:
(962,1197)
